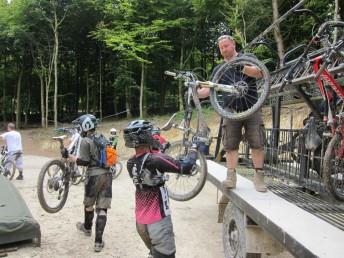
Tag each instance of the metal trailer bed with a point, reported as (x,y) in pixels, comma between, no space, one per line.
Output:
(257,224)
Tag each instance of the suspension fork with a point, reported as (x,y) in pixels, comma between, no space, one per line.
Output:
(201,123)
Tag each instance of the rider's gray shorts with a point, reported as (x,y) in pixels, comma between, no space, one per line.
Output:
(161,236)
(17,158)
(98,191)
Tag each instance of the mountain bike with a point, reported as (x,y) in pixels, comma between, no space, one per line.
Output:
(315,65)
(7,167)
(116,170)
(56,175)
(183,187)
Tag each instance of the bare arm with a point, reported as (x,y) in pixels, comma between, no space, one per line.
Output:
(252,71)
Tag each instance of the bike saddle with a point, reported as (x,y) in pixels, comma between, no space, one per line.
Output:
(169,123)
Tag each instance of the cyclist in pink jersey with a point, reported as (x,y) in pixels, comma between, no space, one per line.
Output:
(147,168)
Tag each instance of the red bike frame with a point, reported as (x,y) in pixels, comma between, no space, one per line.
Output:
(335,127)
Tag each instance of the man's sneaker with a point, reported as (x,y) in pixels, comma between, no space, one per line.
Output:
(7,173)
(98,246)
(20,177)
(80,226)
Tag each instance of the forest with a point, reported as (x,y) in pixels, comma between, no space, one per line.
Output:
(61,58)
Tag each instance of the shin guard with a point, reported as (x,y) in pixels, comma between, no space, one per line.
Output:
(100,225)
(88,219)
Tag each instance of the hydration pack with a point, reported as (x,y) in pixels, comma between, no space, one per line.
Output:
(107,154)
(144,177)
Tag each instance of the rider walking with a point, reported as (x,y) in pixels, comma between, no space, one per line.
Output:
(98,183)
(113,138)
(147,168)
(14,148)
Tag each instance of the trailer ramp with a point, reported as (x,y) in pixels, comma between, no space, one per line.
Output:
(300,232)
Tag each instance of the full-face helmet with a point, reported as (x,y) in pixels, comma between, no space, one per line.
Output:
(138,133)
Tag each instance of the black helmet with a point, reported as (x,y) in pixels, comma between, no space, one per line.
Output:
(85,123)
(137,133)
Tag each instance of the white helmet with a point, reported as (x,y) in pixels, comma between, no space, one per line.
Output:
(113,131)
(85,123)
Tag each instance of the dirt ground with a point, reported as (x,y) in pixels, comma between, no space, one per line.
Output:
(197,233)
(195,222)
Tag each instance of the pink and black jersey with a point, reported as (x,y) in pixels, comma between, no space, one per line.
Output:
(152,202)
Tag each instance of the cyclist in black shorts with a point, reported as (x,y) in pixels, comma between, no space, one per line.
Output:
(146,168)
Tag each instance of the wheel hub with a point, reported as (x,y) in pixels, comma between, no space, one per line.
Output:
(242,87)
(233,234)
(56,185)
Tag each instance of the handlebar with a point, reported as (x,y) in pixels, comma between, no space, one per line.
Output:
(186,75)
(327,24)
(66,129)
(191,81)
(170,73)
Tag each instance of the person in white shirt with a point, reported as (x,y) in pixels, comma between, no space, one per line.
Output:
(14,148)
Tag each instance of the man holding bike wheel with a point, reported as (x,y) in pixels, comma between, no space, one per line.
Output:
(147,169)
(98,183)
(232,130)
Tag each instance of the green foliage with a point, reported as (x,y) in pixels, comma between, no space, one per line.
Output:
(104,42)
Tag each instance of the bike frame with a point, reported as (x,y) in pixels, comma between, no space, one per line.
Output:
(327,95)
(202,132)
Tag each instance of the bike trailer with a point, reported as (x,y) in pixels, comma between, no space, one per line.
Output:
(259,224)
(16,221)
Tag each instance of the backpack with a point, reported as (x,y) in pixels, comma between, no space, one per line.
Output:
(107,155)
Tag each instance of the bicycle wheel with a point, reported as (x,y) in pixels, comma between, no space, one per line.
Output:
(53,186)
(116,170)
(79,175)
(9,167)
(251,93)
(334,168)
(185,187)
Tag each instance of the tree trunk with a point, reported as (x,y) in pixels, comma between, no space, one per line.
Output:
(18,97)
(142,89)
(56,52)
(41,80)
(27,109)
(180,83)
(277,32)
(127,97)
(337,10)
(100,86)
(87,93)
(4,93)
(336,17)
(47,86)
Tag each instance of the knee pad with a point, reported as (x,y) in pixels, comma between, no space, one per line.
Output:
(101,212)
